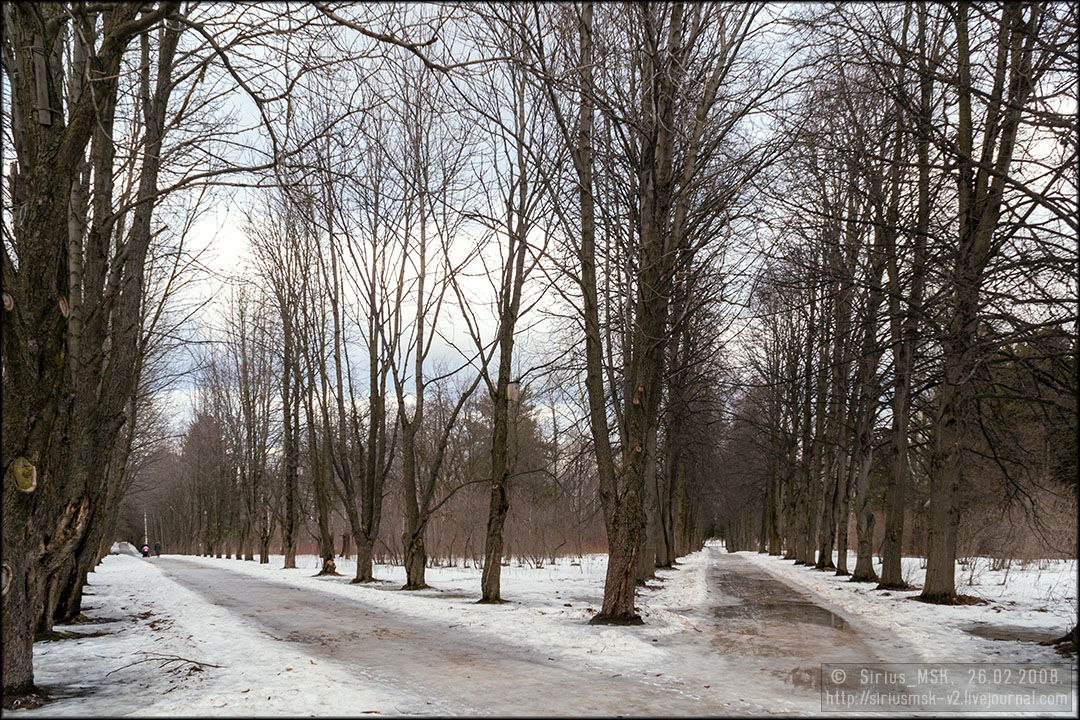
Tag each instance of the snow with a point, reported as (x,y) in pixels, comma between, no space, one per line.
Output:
(1039,596)
(154,616)
(549,606)
(124,548)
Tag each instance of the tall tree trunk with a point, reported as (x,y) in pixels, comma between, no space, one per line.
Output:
(843,517)
(499,503)
(290,385)
(322,512)
(905,333)
(622,541)
(413,538)
(513,279)
(980,185)
(61,416)
(804,546)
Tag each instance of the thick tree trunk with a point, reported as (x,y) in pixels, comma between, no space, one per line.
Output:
(497,508)
(288,532)
(365,550)
(499,503)
(415,561)
(772,514)
(322,511)
(843,517)
(829,509)
(619,585)
(945,469)
(264,548)
(493,544)
(55,429)
(413,538)
(940,584)
(979,204)
(18,632)
(864,521)
(650,505)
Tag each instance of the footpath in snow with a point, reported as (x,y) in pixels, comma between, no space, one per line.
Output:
(157,652)
(1028,602)
(166,650)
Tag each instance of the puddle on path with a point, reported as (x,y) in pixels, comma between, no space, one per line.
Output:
(758,597)
(1009,632)
(784,611)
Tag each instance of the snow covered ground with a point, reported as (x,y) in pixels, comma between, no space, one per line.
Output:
(1039,598)
(154,617)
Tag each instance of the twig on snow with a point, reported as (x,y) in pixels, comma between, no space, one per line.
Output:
(164,660)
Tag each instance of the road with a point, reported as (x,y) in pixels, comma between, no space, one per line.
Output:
(758,640)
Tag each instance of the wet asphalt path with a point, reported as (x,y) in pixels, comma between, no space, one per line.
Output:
(462,673)
(758,636)
(781,631)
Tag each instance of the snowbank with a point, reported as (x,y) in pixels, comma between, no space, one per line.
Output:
(124,548)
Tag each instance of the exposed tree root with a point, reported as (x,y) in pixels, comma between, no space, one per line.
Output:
(32,698)
(950,599)
(601,619)
(863,578)
(896,586)
(1067,643)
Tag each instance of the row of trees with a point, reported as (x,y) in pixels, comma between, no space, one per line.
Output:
(190,508)
(668,226)
(124,120)
(377,232)
(103,117)
(914,347)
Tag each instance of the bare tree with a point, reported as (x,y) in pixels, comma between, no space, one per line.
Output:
(1027,42)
